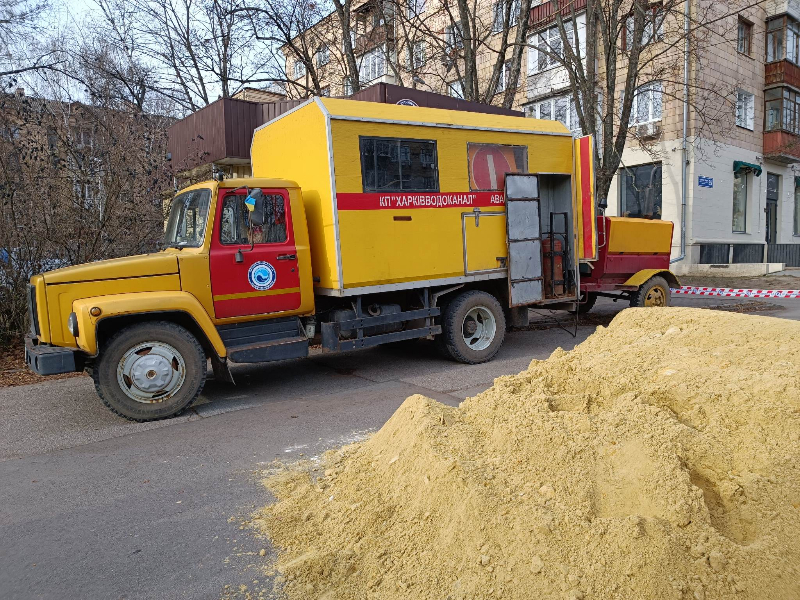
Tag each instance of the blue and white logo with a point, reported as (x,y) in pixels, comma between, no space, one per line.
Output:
(261,275)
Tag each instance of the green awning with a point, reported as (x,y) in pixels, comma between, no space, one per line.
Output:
(740,165)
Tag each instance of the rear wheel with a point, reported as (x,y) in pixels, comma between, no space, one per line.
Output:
(654,292)
(150,371)
(473,327)
(586,302)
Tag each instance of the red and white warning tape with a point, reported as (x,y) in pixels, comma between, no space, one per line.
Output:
(735,293)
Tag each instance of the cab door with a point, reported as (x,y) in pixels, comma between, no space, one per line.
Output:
(254,271)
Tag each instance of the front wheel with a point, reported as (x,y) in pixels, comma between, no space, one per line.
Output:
(150,371)
(473,327)
(654,292)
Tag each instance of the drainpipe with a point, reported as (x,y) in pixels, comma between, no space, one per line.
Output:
(684,148)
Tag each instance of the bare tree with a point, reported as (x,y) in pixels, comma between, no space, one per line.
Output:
(21,51)
(78,182)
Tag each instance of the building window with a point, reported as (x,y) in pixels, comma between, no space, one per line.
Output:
(326,91)
(783,40)
(347,86)
(490,163)
(744,37)
(499,15)
(560,108)
(640,191)
(782,107)
(323,55)
(373,65)
(796,229)
(505,77)
(740,201)
(745,109)
(647,105)
(415,8)
(453,37)
(299,69)
(546,48)
(455,89)
(398,165)
(416,54)
(653,30)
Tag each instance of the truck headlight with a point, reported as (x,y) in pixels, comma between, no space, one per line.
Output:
(72,324)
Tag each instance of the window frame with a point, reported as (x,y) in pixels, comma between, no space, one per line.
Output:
(748,40)
(451,87)
(323,55)
(267,192)
(657,32)
(637,95)
(749,109)
(572,113)
(303,71)
(796,223)
(745,187)
(363,138)
(623,174)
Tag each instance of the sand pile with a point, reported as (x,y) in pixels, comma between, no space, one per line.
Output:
(659,459)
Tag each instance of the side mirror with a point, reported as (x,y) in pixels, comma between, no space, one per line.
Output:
(255,202)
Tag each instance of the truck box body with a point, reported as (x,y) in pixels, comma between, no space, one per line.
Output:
(448,227)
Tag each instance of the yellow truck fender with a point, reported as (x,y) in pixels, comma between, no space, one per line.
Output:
(638,279)
(140,303)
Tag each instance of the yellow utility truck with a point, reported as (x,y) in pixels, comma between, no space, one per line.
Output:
(364,224)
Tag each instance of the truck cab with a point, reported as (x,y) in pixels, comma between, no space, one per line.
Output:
(215,273)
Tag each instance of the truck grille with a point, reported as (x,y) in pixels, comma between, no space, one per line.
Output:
(33,312)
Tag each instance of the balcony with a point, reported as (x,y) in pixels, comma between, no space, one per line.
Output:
(545,13)
(782,72)
(781,146)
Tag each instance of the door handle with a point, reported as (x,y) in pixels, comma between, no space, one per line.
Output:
(287,257)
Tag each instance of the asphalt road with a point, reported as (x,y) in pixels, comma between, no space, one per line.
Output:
(92,506)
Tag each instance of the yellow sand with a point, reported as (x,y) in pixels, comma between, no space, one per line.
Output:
(659,459)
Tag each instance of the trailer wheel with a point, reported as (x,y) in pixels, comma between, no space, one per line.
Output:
(586,303)
(473,327)
(653,292)
(150,371)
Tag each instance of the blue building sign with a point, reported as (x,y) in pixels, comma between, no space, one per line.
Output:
(706,182)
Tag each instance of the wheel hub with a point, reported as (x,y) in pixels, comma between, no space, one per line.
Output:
(479,328)
(151,372)
(656,297)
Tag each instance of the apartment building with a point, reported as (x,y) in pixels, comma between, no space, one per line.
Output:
(741,184)
(415,44)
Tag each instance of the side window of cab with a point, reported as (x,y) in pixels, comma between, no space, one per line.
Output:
(235,229)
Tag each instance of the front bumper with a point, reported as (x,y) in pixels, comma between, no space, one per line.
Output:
(44,359)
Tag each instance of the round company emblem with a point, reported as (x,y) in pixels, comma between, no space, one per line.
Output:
(261,275)
(407,102)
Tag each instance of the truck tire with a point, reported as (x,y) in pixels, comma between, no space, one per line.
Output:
(150,371)
(653,292)
(473,327)
(586,304)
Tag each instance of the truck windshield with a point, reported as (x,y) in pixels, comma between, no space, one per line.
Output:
(186,226)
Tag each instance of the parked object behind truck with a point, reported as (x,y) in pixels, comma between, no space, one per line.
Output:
(388,223)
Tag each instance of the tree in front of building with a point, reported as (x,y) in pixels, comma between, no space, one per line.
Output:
(635,59)
(78,183)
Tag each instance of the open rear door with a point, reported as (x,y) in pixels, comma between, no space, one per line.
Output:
(585,221)
(524,239)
